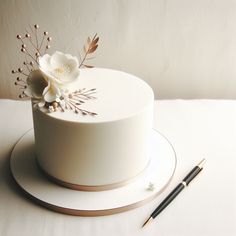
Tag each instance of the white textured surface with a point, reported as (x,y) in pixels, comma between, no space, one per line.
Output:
(196,128)
(183,48)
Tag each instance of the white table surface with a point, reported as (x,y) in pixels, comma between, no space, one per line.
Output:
(196,128)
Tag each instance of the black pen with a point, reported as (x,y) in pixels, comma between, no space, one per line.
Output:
(190,176)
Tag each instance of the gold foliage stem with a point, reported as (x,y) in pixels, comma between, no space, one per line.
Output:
(89,48)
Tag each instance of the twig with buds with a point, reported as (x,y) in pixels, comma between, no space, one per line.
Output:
(33,48)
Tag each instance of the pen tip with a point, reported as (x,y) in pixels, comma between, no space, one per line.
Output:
(147,221)
(202,162)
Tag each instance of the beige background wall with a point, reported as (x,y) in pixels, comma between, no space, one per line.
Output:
(182,48)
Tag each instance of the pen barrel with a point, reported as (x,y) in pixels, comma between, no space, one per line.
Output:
(168,200)
(192,174)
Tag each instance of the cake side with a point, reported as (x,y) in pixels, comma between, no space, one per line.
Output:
(93,154)
(98,151)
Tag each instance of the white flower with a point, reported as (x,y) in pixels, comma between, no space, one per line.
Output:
(55,73)
(151,186)
(59,68)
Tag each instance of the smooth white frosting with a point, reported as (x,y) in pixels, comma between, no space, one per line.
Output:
(118,95)
(106,149)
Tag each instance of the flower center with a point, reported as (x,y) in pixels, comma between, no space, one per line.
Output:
(59,70)
(63,69)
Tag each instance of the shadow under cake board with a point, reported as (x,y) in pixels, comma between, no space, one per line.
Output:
(82,203)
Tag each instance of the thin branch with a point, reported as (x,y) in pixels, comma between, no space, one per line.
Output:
(41,42)
(28,54)
(36,37)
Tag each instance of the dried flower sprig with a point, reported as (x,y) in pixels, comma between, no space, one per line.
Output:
(89,48)
(83,94)
(32,47)
(77,98)
(72,101)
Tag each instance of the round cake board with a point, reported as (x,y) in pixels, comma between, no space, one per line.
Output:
(83,203)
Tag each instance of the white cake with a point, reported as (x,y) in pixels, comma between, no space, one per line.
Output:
(102,151)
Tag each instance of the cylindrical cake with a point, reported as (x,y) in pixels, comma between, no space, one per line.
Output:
(102,151)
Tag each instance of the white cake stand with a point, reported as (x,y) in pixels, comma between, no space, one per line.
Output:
(52,196)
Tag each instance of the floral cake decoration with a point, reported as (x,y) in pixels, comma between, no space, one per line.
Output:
(46,78)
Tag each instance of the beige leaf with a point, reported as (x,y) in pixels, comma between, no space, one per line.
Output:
(88,40)
(88,66)
(94,42)
(92,49)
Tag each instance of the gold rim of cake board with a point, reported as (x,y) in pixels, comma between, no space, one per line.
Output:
(89,213)
(89,188)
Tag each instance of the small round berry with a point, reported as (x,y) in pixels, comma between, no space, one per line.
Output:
(27,35)
(55,105)
(20,70)
(36,26)
(45,33)
(13,71)
(31,63)
(37,54)
(16,83)
(48,46)
(49,39)
(18,78)
(18,36)
(23,49)
(23,46)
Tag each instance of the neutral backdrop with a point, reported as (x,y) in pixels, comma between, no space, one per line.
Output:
(182,48)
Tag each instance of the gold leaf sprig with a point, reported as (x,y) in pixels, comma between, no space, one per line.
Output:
(72,101)
(89,48)
(77,98)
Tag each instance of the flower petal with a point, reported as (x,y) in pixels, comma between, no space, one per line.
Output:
(49,75)
(36,84)
(49,96)
(44,62)
(51,93)
(73,58)
(72,77)
(71,64)
(28,92)
(58,59)
(61,69)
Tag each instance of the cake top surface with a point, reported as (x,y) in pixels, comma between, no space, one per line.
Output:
(118,95)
